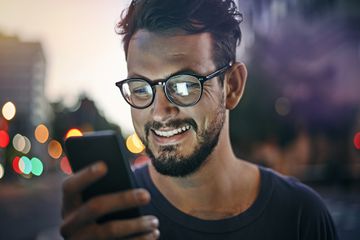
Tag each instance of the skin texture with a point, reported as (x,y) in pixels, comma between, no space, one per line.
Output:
(157,56)
(222,186)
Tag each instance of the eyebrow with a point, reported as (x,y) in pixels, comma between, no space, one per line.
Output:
(181,71)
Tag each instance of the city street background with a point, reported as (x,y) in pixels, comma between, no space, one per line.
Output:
(300,113)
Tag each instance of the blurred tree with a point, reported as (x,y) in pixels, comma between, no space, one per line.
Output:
(84,115)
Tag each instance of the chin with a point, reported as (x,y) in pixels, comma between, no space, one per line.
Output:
(170,162)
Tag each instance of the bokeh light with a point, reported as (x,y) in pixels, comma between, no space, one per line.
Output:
(37,166)
(357,140)
(3,124)
(74,132)
(4,139)
(2,172)
(65,166)
(25,165)
(9,110)
(15,165)
(134,144)
(54,149)
(19,142)
(27,176)
(27,147)
(41,133)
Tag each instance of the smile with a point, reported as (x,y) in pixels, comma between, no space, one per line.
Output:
(173,132)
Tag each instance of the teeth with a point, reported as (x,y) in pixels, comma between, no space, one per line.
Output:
(172,132)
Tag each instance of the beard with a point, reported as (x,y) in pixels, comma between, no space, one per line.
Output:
(170,162)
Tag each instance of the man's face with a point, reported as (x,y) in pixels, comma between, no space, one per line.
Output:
(177,139)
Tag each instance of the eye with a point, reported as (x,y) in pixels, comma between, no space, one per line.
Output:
(192,85)
(184,85)
(140,88)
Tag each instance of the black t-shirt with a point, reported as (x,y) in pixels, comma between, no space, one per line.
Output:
(285,209)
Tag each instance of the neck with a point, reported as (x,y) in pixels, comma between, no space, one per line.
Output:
(224,186)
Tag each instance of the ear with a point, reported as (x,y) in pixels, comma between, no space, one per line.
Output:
(234,84)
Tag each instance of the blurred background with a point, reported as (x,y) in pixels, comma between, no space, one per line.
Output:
(300,114)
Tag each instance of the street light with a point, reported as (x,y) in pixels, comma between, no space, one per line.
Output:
(9,111)
(134,144)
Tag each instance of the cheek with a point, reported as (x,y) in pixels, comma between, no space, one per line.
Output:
(139,121)
(203,117)
(208,108)
(213,94)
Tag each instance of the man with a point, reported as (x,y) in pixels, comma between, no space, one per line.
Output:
(182,81)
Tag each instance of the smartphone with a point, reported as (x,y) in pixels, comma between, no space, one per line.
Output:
(103,146)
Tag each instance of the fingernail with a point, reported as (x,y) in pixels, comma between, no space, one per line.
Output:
(154,222)
(156,233)
(142,195)
(98,167)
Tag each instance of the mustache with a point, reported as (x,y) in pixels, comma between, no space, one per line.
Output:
(176,123)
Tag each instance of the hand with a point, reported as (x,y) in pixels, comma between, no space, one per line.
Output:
(80,217)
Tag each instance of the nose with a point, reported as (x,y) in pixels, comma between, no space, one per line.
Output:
(162,109)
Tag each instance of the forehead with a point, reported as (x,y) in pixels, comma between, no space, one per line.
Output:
(149,52)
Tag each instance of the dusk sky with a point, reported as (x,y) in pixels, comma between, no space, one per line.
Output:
(83,52)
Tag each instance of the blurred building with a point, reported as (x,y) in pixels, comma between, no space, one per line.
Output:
(22,79)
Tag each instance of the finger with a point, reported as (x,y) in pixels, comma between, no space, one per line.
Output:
(75,184)
(86,233)
(155,234)
(82,179)
(125,228)
(101,205)
(117,229)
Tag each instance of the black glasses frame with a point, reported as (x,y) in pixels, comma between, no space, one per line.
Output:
(201,79)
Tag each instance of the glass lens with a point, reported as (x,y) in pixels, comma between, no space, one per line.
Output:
(137,92)
(183,89)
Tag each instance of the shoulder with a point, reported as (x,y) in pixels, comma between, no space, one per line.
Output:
(304,204)
(290,189)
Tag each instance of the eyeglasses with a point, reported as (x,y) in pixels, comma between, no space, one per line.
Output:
(181,89)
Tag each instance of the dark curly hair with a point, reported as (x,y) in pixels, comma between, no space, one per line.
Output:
(218,17)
